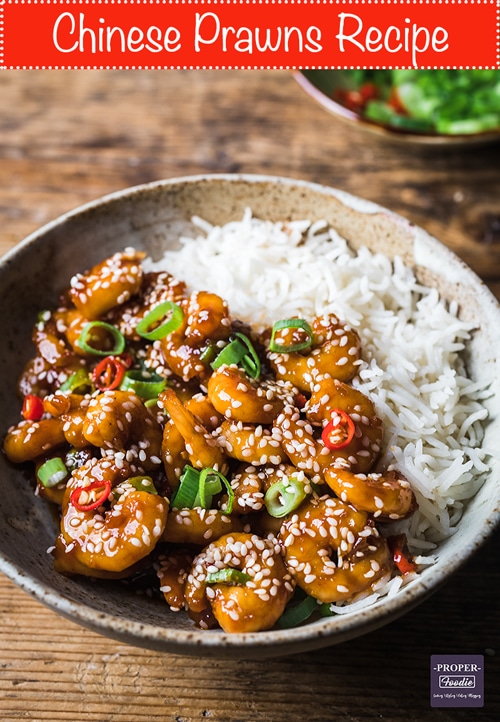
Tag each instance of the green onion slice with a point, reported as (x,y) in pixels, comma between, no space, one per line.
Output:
(298,613)
(285,496)
(228,576)
(209,352)
(291,323)
(171,315)
(78,382)
(326,610)
(197,488)
(142,483)
(230,354)
(239,350)
(52,472)
(185,494)
(147,387)
(209,484)
(101,339)
(250,361)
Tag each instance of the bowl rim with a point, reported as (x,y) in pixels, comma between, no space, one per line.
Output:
(324,632)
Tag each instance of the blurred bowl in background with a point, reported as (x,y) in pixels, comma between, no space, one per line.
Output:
(329,88)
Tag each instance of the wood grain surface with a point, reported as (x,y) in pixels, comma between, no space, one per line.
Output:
(67,137)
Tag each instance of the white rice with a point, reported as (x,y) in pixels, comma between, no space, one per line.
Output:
(412,343)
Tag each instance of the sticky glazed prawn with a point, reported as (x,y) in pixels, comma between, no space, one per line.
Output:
(243,580)
(331,395)
(238,397)
(155,289)
(30,439)
(172,571)
(199,526)
(108,284)
(205,319)
(222,461)
(252,443)
(334,351)
(387,496)
(107,525)
(202,449)
(333,551)
(118,420)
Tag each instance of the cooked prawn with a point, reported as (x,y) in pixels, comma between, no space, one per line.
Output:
(117,534)
(30,439)
(108,284)
(199,526)
(119,421)
(201,447)
(387,496)
(329,395)
(325,527)
(172,571)
(205,320)
(251,605)
(253,443)
(334,351)
(238,397)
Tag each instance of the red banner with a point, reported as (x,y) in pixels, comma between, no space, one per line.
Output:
(269,34)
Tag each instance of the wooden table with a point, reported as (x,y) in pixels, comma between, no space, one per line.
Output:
(67,137)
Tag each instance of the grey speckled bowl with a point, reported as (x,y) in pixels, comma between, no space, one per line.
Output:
(151,217)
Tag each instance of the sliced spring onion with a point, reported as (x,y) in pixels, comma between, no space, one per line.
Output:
(250,361)
(228,576)
(210,483)
(230,354)
(78,382)
(52,472)
(208,487)
(171,315)
(147,387)
(101,339)
(209,352)
(197,488)
(298,613)
(185,494)
(284,497)
(286,323)
(325,610)
(142,483)
(240,351)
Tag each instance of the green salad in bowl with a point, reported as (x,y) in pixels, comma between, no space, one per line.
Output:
(433,102)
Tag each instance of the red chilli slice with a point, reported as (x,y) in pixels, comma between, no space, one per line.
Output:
(125,359)
(338,432)
(109,373)
(401,554)
(32,408)
(103,489)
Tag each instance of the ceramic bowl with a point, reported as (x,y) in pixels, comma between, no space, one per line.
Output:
(151,217)
(321,85)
